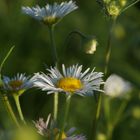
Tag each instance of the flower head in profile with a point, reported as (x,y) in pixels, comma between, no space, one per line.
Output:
(116,86)
(48,129)
(50,14)
(71,81)
(17,84)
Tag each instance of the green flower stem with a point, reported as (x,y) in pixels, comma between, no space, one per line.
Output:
(68,100)
(96,117)
(109,46)
(119,112)
(107,109)
(10,110)
(55,105)
(53,46)
(130,5)
(107,58)
(5,98)
(111,125)
(76,32)
(110,129)
(55,62)
(16,98)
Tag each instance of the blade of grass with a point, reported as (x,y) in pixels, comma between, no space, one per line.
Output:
(5,58)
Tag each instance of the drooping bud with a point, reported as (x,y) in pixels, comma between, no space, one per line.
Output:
(89,46)
(87,43)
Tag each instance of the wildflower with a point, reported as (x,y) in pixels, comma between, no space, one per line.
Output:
(17,84)
(48,129)
(50,14)
(112,8)
(90,46)
(71,81)
(115,86)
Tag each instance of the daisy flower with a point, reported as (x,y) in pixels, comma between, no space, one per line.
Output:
(50,14)
(71,81)
(17,84)
(48,129)
(116,86)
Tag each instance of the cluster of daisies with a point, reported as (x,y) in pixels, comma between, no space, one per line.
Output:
(70,81)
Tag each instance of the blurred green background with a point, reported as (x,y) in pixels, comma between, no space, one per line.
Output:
(32,54)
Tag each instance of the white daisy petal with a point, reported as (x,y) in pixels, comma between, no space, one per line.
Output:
(17,84)
(50,14)
(116,86)
(48,129)
(72,81)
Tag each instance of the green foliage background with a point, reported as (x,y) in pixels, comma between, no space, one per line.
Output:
(32,54)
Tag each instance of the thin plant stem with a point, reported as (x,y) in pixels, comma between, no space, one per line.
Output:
(53,46)
(99,101)
(68,100)
(55,62)
(119,113)
(110,129)
(107,108)
(10,110)
(109,46)
(16,98)
(5,98)
(96,118)
(130,5)
(111,125)
(55,105)
(76,32)
(5,58)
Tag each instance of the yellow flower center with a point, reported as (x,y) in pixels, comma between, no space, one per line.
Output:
(69,84)
(50,20)
(15,84)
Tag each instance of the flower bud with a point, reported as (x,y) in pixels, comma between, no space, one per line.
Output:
(90,45)
(113,9)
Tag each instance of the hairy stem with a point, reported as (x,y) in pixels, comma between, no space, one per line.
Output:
(10,110)
(16,98)
(55,106)
(55,62)
(53,46)
(99,101)
(68,100)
